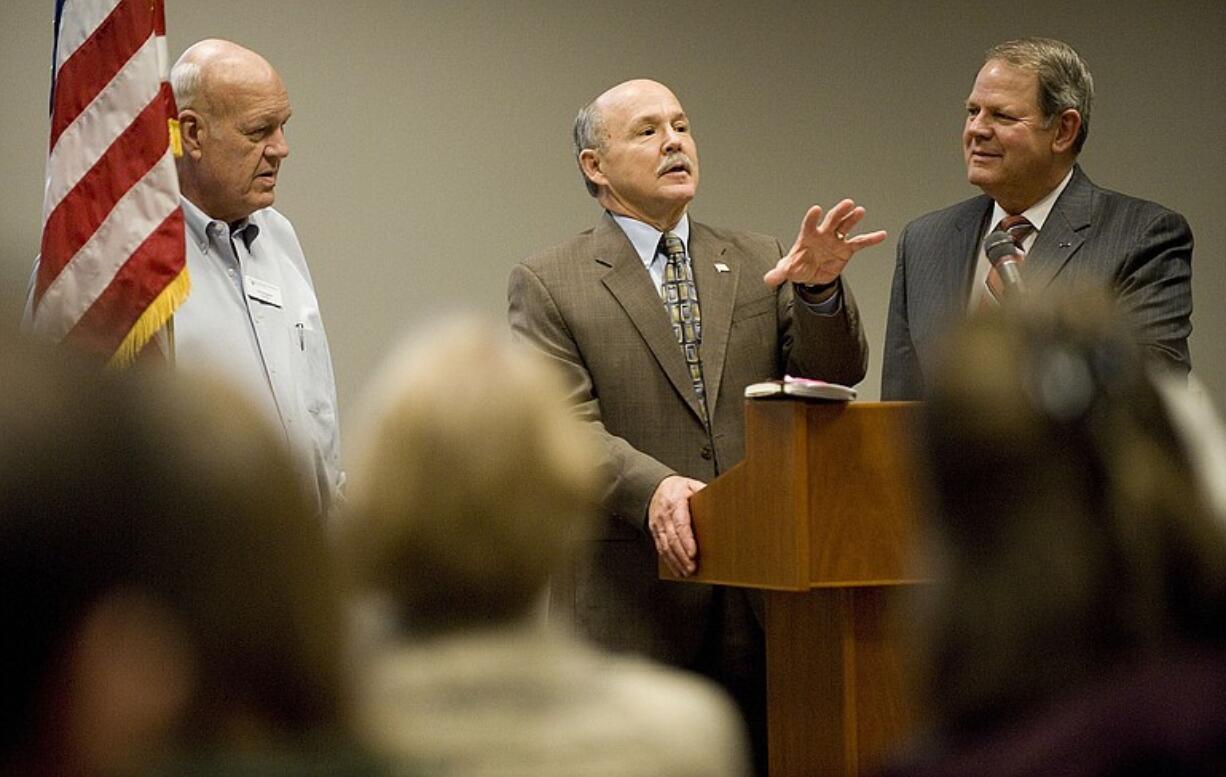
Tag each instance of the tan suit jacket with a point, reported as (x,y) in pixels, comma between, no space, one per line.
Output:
(590,305)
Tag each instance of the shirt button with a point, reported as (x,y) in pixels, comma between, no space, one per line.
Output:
(706,452)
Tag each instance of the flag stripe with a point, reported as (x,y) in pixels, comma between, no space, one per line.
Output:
(134,288)
(113,268)
(77,20)
(92,65)
(106,118)
(125,163)
(86,276)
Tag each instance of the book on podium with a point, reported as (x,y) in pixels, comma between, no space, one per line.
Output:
(800,388)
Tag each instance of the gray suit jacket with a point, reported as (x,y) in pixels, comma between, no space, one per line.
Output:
(590,305)
(1140,250)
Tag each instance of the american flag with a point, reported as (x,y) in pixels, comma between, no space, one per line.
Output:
(112,268)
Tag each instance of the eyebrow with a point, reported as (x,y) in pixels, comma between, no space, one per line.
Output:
(264,119)
(657,118)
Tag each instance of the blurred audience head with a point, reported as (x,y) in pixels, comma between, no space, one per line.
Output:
(162,589)
(1069,531)
(472,479)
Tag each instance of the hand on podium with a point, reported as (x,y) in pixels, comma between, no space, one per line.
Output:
(668,520)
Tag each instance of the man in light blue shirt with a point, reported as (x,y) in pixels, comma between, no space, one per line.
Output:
(252,314)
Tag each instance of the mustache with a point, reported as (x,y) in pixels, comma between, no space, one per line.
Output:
(673,160)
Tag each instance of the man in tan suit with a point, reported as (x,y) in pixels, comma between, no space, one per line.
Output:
(667,424)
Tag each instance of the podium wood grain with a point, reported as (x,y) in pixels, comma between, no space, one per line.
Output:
(821,515)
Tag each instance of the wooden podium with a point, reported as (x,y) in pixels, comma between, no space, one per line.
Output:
(820,515)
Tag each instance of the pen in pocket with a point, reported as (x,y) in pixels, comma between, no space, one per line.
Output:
(301,341)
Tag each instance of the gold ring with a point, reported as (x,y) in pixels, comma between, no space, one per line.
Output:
(840,235)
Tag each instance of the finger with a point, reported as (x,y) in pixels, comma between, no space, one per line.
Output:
(838,214)
(685,530)
(866,240)
(670,551)
(672,566)
(657,536)
(681,555)
(849,223)
(778,274)
(813,217)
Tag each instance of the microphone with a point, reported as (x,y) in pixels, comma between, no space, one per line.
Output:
(1006,260)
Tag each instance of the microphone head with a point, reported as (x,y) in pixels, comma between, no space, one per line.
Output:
(998,245)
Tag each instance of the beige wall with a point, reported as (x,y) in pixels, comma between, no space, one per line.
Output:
(430,140)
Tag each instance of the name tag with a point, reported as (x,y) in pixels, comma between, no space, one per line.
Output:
(262,291)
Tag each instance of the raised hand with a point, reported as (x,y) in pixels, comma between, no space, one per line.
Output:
(824,246)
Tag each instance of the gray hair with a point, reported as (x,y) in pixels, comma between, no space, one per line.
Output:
(588,133)
(185,82)
(1064,79)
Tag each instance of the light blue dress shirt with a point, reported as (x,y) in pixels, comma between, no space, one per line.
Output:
(252,317)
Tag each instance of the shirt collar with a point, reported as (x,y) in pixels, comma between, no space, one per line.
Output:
(1036,214)
(646,238)
(199,224)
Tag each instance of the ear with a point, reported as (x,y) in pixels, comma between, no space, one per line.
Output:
(589,163)
(191,128)
(1068,124)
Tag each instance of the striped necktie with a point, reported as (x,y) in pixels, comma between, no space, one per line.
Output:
(1018,227)
(681,301)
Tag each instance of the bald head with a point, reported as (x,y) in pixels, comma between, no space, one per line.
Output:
(232,112)
(637,155)
(634,89)
(209,70)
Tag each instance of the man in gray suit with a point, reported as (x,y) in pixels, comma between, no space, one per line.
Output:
(1028,115)
(599,307)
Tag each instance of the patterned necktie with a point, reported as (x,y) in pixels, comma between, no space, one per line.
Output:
(1018,228)
(681,301)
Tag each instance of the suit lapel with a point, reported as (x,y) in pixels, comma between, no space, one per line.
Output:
(630,284)
(1061,234)
(716,296)
(953,273)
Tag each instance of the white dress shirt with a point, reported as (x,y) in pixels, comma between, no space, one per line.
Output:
(1036,214)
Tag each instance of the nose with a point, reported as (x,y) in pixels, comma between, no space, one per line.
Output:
(672,140)
(278,145)
(978,125)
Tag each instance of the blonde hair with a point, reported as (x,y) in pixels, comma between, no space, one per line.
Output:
(473,478)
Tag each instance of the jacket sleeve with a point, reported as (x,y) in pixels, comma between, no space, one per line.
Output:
(824,347)
(1154,289)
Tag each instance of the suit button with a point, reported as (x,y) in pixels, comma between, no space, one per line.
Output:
(706,452)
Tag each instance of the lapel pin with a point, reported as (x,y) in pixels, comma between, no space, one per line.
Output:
(1065,245)
(721,267)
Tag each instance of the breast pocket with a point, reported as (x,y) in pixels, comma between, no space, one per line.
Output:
(318,385)
(753,308)
(754,327)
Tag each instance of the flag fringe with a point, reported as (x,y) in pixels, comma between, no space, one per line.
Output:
(152,320)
